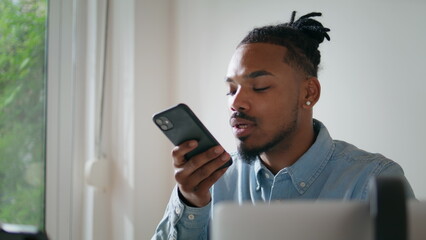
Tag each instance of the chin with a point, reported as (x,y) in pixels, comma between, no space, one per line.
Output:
(246,146)
(249,156)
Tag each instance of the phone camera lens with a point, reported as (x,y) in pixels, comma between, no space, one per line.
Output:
(164,123)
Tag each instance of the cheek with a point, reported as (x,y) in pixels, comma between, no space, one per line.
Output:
(281,103)
(280,110)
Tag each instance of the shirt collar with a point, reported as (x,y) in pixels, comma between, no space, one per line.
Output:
(309,166)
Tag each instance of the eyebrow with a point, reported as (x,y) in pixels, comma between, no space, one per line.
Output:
(254,74)
(259,73)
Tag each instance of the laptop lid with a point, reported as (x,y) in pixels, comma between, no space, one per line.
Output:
(306,220)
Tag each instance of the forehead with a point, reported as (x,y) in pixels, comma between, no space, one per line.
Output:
(255,57)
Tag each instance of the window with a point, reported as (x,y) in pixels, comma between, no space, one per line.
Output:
(22,111)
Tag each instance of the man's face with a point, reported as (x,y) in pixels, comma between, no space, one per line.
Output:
(263,98)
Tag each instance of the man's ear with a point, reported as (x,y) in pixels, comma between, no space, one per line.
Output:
(311,92)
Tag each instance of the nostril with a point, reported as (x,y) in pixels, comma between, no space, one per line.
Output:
(240,108)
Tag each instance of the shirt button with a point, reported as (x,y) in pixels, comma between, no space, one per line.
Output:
(302,184)
(177,211)
(191,216)
(267,175)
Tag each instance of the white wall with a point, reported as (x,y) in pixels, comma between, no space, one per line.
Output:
(371,76)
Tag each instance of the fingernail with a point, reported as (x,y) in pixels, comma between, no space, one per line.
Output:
(225,157)
(218,150)
(192,144)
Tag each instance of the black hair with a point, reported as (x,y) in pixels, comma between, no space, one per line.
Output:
(301,38)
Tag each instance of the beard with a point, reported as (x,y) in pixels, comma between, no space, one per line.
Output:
(250,154)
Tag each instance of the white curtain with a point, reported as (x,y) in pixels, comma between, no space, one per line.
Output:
(109,166)
(95,202)
(120,174)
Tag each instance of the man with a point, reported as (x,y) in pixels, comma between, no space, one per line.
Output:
(283,153)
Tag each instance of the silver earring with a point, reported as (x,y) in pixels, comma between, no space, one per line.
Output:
(308,103)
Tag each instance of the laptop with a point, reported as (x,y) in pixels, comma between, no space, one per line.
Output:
(306,220)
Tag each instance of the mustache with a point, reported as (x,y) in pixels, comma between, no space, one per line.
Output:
(242,116)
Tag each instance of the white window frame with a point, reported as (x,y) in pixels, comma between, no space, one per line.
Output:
(63,185)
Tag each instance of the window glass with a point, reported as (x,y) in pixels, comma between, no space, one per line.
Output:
(22,111)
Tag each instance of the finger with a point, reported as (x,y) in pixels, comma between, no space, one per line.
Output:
(199,195)
(202,159)
(197,192)
(207,183)
(178,152)
(195,170)
(208,169)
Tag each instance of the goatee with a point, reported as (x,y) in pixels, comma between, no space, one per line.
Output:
(250,154)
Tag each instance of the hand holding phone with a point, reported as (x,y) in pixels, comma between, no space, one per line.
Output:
(207,158)
(180,124)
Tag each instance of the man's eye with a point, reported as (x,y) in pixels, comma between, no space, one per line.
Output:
(231,93)
(261,89)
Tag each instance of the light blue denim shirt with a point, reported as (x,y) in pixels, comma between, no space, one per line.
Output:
(330,169)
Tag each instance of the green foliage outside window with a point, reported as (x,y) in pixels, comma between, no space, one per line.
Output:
(22,111)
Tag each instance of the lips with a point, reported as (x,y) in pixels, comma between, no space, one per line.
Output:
(242,127)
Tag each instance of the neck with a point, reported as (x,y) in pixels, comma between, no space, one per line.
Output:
(286,154)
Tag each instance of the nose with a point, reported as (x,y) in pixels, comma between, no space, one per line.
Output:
(240,101)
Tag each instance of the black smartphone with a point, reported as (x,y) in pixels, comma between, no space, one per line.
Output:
(180,124)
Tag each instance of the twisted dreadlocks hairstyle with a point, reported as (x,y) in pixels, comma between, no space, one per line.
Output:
(301,38)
